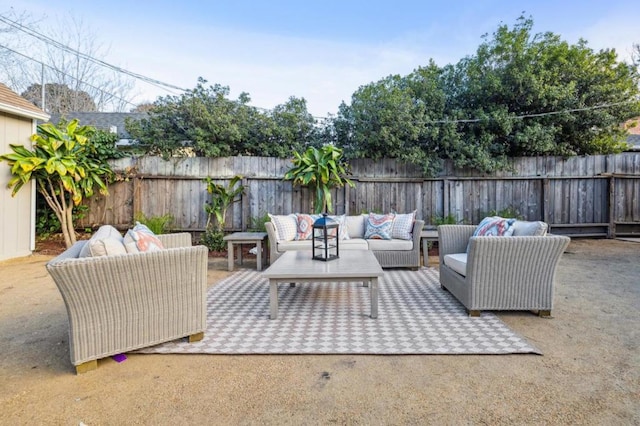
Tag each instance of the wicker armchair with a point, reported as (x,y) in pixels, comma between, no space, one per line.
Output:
(124,302)
(502,273)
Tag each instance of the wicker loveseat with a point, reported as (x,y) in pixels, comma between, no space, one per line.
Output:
(392,253)
(118,303)
(500,273)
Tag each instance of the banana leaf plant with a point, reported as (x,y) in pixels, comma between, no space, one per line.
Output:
(320,169)
(221,198)
(64,167)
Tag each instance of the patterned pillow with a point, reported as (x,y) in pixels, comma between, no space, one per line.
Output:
(286,226)
(378,226)
(305,225)
(494,226)
(141,239)
(403,226)
(342,227)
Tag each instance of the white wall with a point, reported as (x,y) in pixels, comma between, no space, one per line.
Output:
(16,213)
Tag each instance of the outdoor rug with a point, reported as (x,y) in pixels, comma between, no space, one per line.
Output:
(415,316)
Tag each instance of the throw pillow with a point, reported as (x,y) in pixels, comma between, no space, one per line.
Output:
(494,226)
(534,229)
(305,225)
(355,225)
(106,241)
(378,226)
(343,231)
(141,239)
(403,226)
(286,226)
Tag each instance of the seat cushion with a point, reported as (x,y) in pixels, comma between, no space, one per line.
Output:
(106,241)
(457,262)
(395,245)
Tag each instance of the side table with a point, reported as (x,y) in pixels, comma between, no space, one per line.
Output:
(426,236)
(240,238)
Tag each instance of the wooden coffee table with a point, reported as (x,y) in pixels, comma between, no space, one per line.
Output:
(298,267)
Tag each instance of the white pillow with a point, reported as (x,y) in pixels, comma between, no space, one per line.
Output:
(523,228)
(286,226)
(403,226)
(355,225)
(106,241)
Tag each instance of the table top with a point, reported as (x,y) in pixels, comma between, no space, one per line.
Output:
(245,236)
(429,233)
(299,264)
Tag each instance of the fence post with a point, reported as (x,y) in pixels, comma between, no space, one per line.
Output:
(612,207)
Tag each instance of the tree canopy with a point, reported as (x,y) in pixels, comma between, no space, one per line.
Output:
(206,121)
(520,94)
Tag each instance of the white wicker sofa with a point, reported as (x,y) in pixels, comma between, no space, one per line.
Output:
(499,273)
(120,302)
(392,253)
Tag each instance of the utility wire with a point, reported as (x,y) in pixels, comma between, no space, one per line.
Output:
(161,84)
(68,75)
(90,58)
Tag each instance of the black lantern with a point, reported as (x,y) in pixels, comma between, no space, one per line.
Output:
(325,239)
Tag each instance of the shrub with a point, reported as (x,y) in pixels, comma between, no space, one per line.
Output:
(157,224)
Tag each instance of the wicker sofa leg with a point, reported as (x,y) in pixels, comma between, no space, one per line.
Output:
(544,313)
(86,366)
(196,337)
(473,313)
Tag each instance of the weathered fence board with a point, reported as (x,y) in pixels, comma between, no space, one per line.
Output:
(594,192)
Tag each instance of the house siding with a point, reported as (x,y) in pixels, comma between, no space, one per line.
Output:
(16,226)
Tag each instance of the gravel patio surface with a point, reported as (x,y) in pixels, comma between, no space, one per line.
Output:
(589,373)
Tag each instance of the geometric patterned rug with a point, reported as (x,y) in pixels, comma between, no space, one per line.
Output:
(415,316)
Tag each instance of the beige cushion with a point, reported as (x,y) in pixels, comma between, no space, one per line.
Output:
(457,262)
(355,225)
(395,244)
(106,241)
(523,228)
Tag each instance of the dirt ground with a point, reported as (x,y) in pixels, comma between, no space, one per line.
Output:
(589,373)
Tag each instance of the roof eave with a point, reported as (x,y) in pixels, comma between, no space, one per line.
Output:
(11,109)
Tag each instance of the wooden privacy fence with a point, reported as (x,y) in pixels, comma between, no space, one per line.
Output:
(586,196)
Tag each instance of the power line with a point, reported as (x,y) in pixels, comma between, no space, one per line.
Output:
(87,57)
(68,75)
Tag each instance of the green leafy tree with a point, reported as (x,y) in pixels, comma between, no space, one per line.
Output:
(210,124)
(321,169)
(64,167)
(520,94)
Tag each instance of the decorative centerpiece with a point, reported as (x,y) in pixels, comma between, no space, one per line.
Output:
(325,239)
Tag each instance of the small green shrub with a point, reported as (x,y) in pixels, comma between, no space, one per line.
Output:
(508,212)
(256,224)
(213,240)
(445,220)
(157,224)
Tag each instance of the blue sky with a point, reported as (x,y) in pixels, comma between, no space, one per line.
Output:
(322,51)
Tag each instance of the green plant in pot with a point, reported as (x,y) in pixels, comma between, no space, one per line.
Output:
(321,169)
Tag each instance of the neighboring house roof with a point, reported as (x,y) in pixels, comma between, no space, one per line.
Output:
(11,102)
(108,121)
(634,141)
